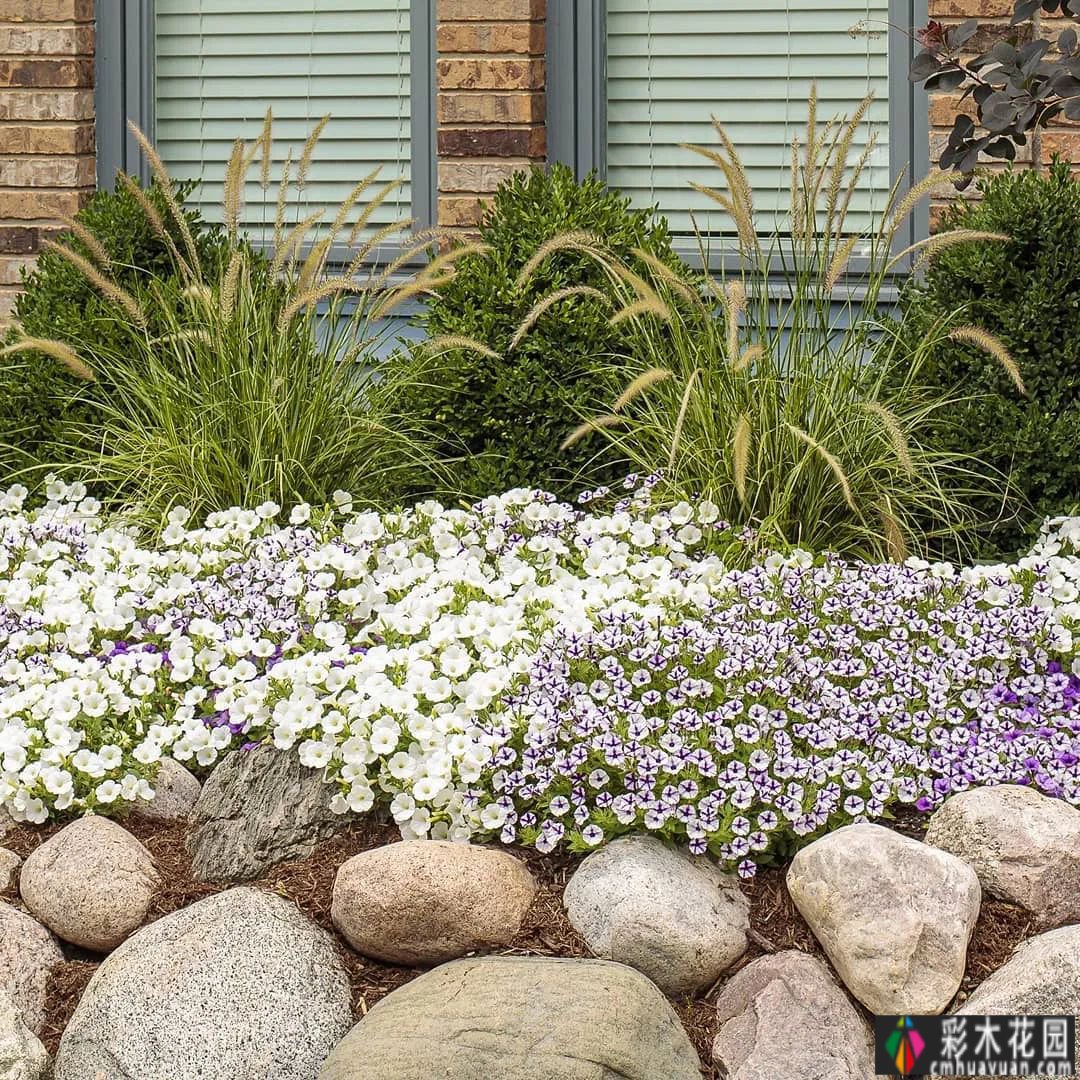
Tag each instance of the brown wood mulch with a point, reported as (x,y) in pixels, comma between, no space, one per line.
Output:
(776,924)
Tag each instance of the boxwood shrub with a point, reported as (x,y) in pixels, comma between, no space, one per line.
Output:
(1027,292)
(504,420)
(38,397)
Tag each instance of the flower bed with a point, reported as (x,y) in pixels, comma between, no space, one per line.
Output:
(529,670)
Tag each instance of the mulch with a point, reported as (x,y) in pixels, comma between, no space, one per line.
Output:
(775,922)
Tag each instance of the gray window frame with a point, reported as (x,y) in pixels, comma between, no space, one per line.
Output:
(125,90)
(577,98)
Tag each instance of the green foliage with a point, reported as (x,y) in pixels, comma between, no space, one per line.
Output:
(244,379)
(39,398)
(801,414)
(508,415)
(1027,292)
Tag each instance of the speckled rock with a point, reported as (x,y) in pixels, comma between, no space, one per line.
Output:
(784,1016)
(894,916)
(421,902)
(678,920)
(239,985)
(519,1018)
(9,868)
(22,1057)
(1041,978)
(28,952)
(176,791)
(258,808)
(1024,846)
(91,883)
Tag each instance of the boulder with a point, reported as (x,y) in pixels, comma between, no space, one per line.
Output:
(894,915)
(259,807)
(1041,978)
(676,919)
(9,868)
(91,883)
(784,1016)
(1024,846)
(176,791)
(420,902)
(22,1057)
(239,985)
(519,1018)
(28,952)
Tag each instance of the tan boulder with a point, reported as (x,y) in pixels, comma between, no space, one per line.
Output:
(91,883)
(28,952)
(421,902)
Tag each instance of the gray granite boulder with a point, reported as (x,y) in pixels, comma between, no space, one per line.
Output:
(785,1016)
(421,902)
(176,791)
(678,920)
(239,985)
(91,883)
(28,953)
(1024,846)
(259,807)
(519,1018)
(893,915)
(9,867)
(1041,978)
(22,1057)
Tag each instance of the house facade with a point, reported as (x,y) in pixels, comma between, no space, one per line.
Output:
(453,96)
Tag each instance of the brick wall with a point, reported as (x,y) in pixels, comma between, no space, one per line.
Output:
(46,125)
(490,105)
(993,16)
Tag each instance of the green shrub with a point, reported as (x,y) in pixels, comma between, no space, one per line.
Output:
(245,378)
(505,417)
(1027,292)
(39,398)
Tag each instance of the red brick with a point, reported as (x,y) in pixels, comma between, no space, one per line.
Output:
(56,171)
(19,240)
(945,108)
(1064,143)
(513,107)
(40,205)
(455,210)
(67,138)
(476,176)
(970,9)
(528,142)
(505,37)
(44,11)
(490,74)
(46,73)
(30,40)
(489,10)
(12,267)
(47,105)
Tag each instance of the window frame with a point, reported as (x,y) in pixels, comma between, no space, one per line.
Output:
(577,106)
(124,89)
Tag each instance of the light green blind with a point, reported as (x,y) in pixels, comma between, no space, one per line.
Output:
(673,64)
(221,63)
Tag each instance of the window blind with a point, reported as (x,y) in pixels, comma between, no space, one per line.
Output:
(220,63)
(672,64)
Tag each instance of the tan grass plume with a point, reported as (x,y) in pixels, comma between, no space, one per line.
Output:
(58,350)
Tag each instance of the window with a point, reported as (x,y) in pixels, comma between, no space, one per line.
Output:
(197,74)
(631,80)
